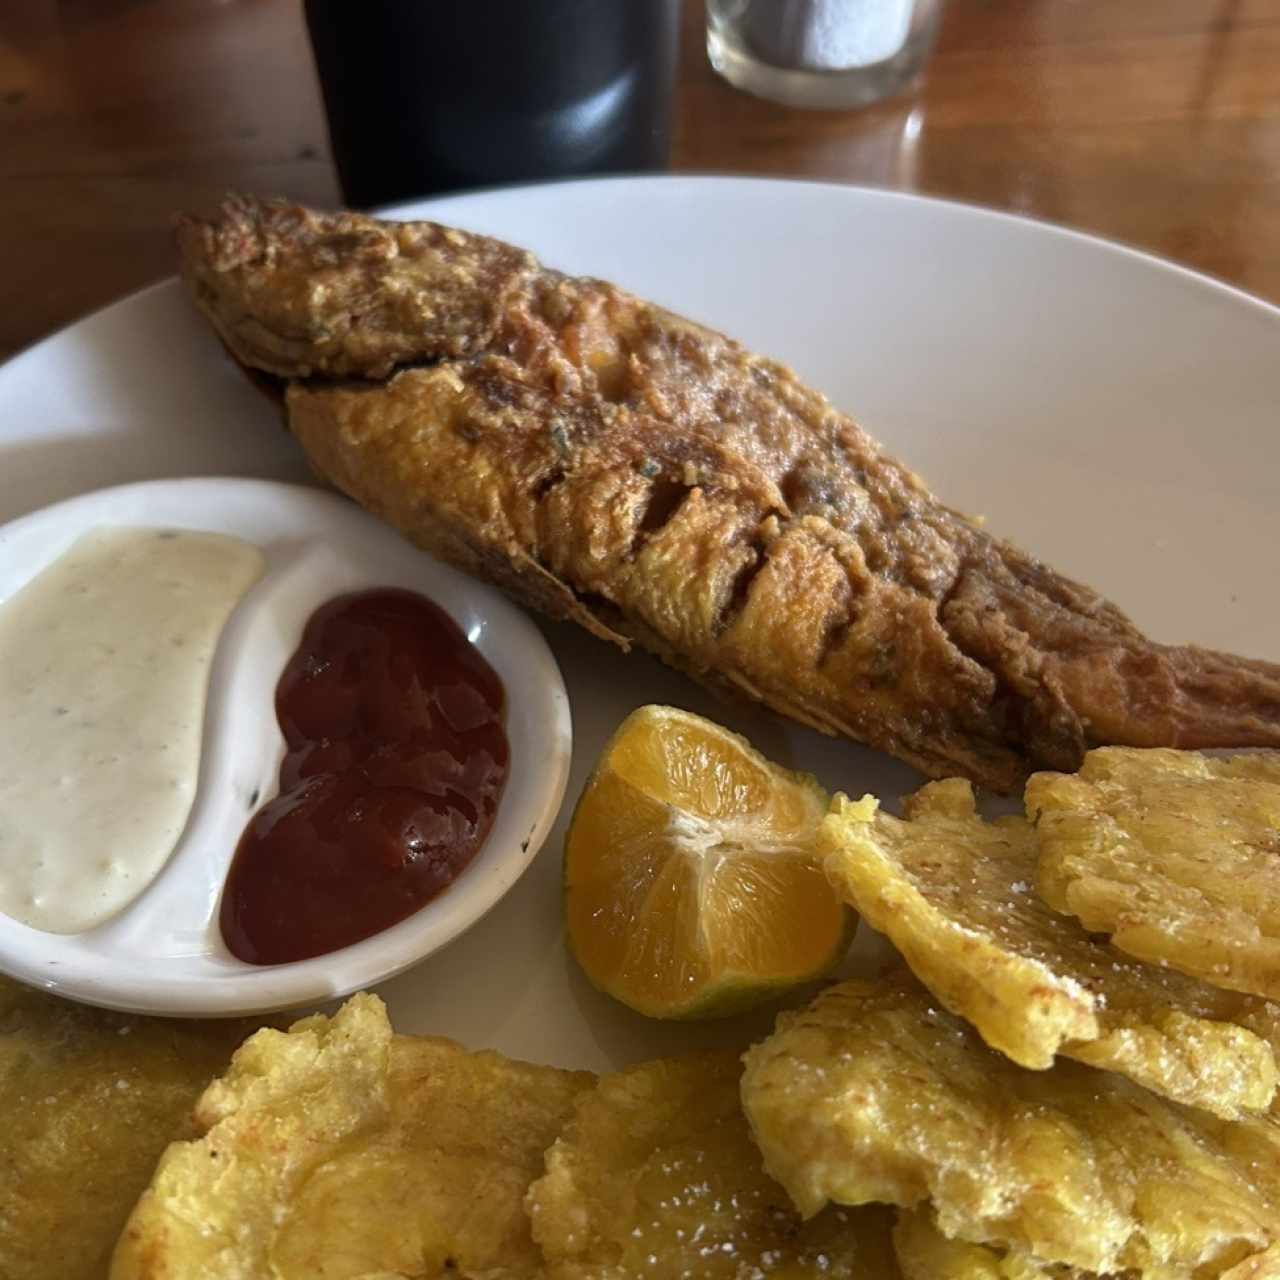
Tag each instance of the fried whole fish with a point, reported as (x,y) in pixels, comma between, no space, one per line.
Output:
(609,462)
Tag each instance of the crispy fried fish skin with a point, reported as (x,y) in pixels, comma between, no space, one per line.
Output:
(1175,855)
(609,462)
(656,1176)
(338,1150)
(872,1093)
(88,1101)
(957,897)
(342,294)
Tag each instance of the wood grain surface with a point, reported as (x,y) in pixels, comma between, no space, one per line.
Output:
(1154,122)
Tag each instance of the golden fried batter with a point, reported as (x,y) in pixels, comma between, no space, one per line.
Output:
(88,1101)
(420,290)
(1175,855)
(924,1253)
(873,1093)
(957,897)
(656,1176)
(609,462)
(338,1150)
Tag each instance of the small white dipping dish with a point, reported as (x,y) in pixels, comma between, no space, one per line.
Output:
(164,952)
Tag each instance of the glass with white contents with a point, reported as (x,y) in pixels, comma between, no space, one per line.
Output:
(820,53)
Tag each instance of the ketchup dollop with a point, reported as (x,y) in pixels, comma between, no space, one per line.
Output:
(396,759)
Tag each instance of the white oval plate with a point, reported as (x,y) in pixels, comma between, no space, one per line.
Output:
(1116,414)
(164,952)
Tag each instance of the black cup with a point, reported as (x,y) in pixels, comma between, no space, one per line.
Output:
(435,95)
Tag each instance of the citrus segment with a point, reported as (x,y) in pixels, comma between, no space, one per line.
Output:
(692,887)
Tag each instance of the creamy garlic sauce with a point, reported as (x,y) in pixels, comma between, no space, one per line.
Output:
(104,670)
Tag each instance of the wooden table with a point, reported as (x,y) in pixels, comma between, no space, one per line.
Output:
(1155,122)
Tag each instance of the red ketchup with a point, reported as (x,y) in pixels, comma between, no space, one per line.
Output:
(396,759)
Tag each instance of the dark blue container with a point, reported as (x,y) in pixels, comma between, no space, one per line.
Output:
(435,95)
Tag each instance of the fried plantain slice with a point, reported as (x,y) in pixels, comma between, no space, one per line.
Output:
(924,1253)
(88,1101)
(338,1150)
(873,1093)
(955,894)
(1174,854)
(656,1176)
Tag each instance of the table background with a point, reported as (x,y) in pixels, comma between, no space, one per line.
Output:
(1154,122)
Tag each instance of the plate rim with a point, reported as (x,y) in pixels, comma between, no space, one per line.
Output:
(519,1021)
(399,211)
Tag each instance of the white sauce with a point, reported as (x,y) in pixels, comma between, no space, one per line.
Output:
(104,669)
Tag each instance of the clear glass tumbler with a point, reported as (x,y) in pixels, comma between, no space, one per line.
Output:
(820,53)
